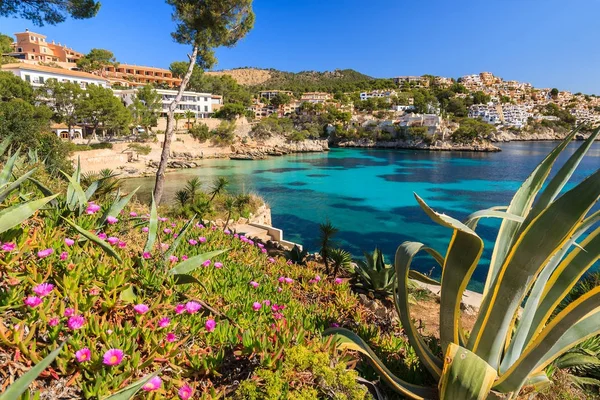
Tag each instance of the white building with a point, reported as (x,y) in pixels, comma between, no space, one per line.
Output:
(201,104)
(37,75)
(486,112)
(514,115)
(378,94)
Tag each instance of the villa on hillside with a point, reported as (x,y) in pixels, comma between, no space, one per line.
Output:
(33,47)
(201,104)
(316,97)
(269,94)
(388,94)
(37,75)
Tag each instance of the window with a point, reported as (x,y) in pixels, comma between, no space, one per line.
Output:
(27,78)
(19,49)
(206,99)
(41,79)
(32,38)
(206,108)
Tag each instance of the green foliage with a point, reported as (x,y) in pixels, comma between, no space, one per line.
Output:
(224,134)
(296,255)
(280,99)
(374,274)
(5,44)
(231,111)
(146,107)
(200,132)
(49,12)
(139,148)
(472,129)
(554,110)
(480,97)
(100,108)
(340,259)
(326,234)
(12,87)
(96,60)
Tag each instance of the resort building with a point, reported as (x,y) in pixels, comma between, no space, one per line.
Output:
(33,47)
(488,113)
(134,75)
(201,104)
(269,94)
(37,75)
(316,97)
(513,115)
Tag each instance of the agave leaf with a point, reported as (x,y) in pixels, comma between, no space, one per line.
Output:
(460,363)
(461,260)
(78,196)
(404,256)
(152,226)
(573,359)
(71,198)
(179,238)
(473,219)
(5,144)
(116,208)
(349,340)
(14,215)
(6,190)
(520,205)
(526,327)
(6,172)
(583,381)
(95,239)
(538,381)
(45,191)
(130,391)
(531,252)
(192,263)
(570,327)
(417,276)
(91,189)
(15,390)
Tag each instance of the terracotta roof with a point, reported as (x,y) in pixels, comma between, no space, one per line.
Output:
(63,126)
(43,68)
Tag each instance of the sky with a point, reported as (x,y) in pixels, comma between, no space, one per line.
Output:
(548,43)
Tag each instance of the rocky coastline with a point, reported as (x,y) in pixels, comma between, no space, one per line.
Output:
(279,149)
(438,145)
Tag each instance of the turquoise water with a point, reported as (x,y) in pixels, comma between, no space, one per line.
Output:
(368,194)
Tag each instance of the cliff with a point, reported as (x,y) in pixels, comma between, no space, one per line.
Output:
(438,145)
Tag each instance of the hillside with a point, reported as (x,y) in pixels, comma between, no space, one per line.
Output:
(330,81)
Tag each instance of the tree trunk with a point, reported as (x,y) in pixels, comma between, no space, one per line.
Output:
(164,157)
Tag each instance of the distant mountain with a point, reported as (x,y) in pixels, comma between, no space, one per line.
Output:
(330,81)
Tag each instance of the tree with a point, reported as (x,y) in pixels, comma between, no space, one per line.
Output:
(230,111)
(218,186)
(280,99)
(457,107)
(96,60)
(13,87)
(50,12)
(99,107)
(189,114)
(64,99)
(554,93)
(480,97)
(203,24)
(178,117)
(5,44)
(200,132)
(327,232)
(146,107)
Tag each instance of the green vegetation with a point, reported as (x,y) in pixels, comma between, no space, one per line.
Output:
(96,60)
(472,129)
(531,265)
(145,107)
(374,274)
(233,111)
(49,12)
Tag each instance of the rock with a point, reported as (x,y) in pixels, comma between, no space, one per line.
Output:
(438,145)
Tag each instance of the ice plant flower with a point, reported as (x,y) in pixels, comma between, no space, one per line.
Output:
(164,246)
(146,255)
(218,265)
(180,308)
(267,303)
(338,281)
(92,208)
(45,253)
(8,246)
(271,260)
(227,231)
(111,220)
(288,280)
(43,289)
(83,355)
(289,262)
(102,235)
(210,325)
(112,240)
(264,251)
(141,308)
(193,242)
(69,242)
(185,392)
(281,279)
(192,307)
(173,258)
(94,291)
(75,322)
(145,229)
(167,231)
(254,284)
(236,236)
(256,306)
(69,312)
(206,263)
(113,357)
(64,255)
(171,337)
(133,214)
(202,239)
(279,290)
(33,301)
(122,244)
(184,257)
(164,322)
(153,384)
(53,321)
(163,219)
(317,278)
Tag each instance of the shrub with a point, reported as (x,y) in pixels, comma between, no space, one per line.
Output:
(224,134)
(200,132)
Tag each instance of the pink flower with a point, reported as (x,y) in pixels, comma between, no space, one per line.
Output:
(210,325)
(69,312)
(213,228)
(141,308)
(102,235)
(133,214)
(112,240)
(122,244)
(64,255)
(94,291)
(113,357)
(92,208)
(163,219)
(281,279)
(184,257)
(338,281)
(171,337)
(202,239)
(43,289)
(167,231)
(164,322)
(264,251)
(317,278)
(260,245)
(8,246)
(206,263)
(33,301)
(75,322)
(45,253)
(277,315)
(254,284)
(236,236)
(180,308)
(164,246)
(289,262)
(271,260)
(146,255)
(193,242)
(153,384)
(185,392)
(288,280)
(267,302)
(111,220)
(173,259)
(251,242)
(53,321)
(256,306)
(227,231)
(145,229)
(83,355)
(69,242)
(279,290)
(218,265)
(192,307)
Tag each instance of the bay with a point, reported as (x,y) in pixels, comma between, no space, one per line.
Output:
(368,194)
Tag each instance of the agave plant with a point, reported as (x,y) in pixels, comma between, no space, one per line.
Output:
(535,262)
(340,259)
(374,274)
(296,255)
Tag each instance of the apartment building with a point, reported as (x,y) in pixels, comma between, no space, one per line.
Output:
(201,104)
(33,47)
(269,94)
(428,120)
(316,97)
(388,94)
(134,75)
(417,81)
(488,113)
(513,115)
(441,81)
(37,75)
(471,80)
(487,78)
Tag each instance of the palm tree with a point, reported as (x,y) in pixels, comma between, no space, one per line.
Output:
(326,241)
(229,205)
(182,196)
(192,186)
(340,258)
(177,117)
(241,201)
(218,186)
(189,115)
(202,208)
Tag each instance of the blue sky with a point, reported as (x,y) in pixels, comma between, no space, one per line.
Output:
(549,43)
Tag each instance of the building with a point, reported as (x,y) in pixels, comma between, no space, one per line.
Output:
(37,75)
(487,78)
(388,94)
(315,97)
(127,75)
(441,81)
(488,113)
(513,115)
(471,80)
(428,120)
(30,46)
(269,94)
(62,131)
(201,104)
(416,81)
